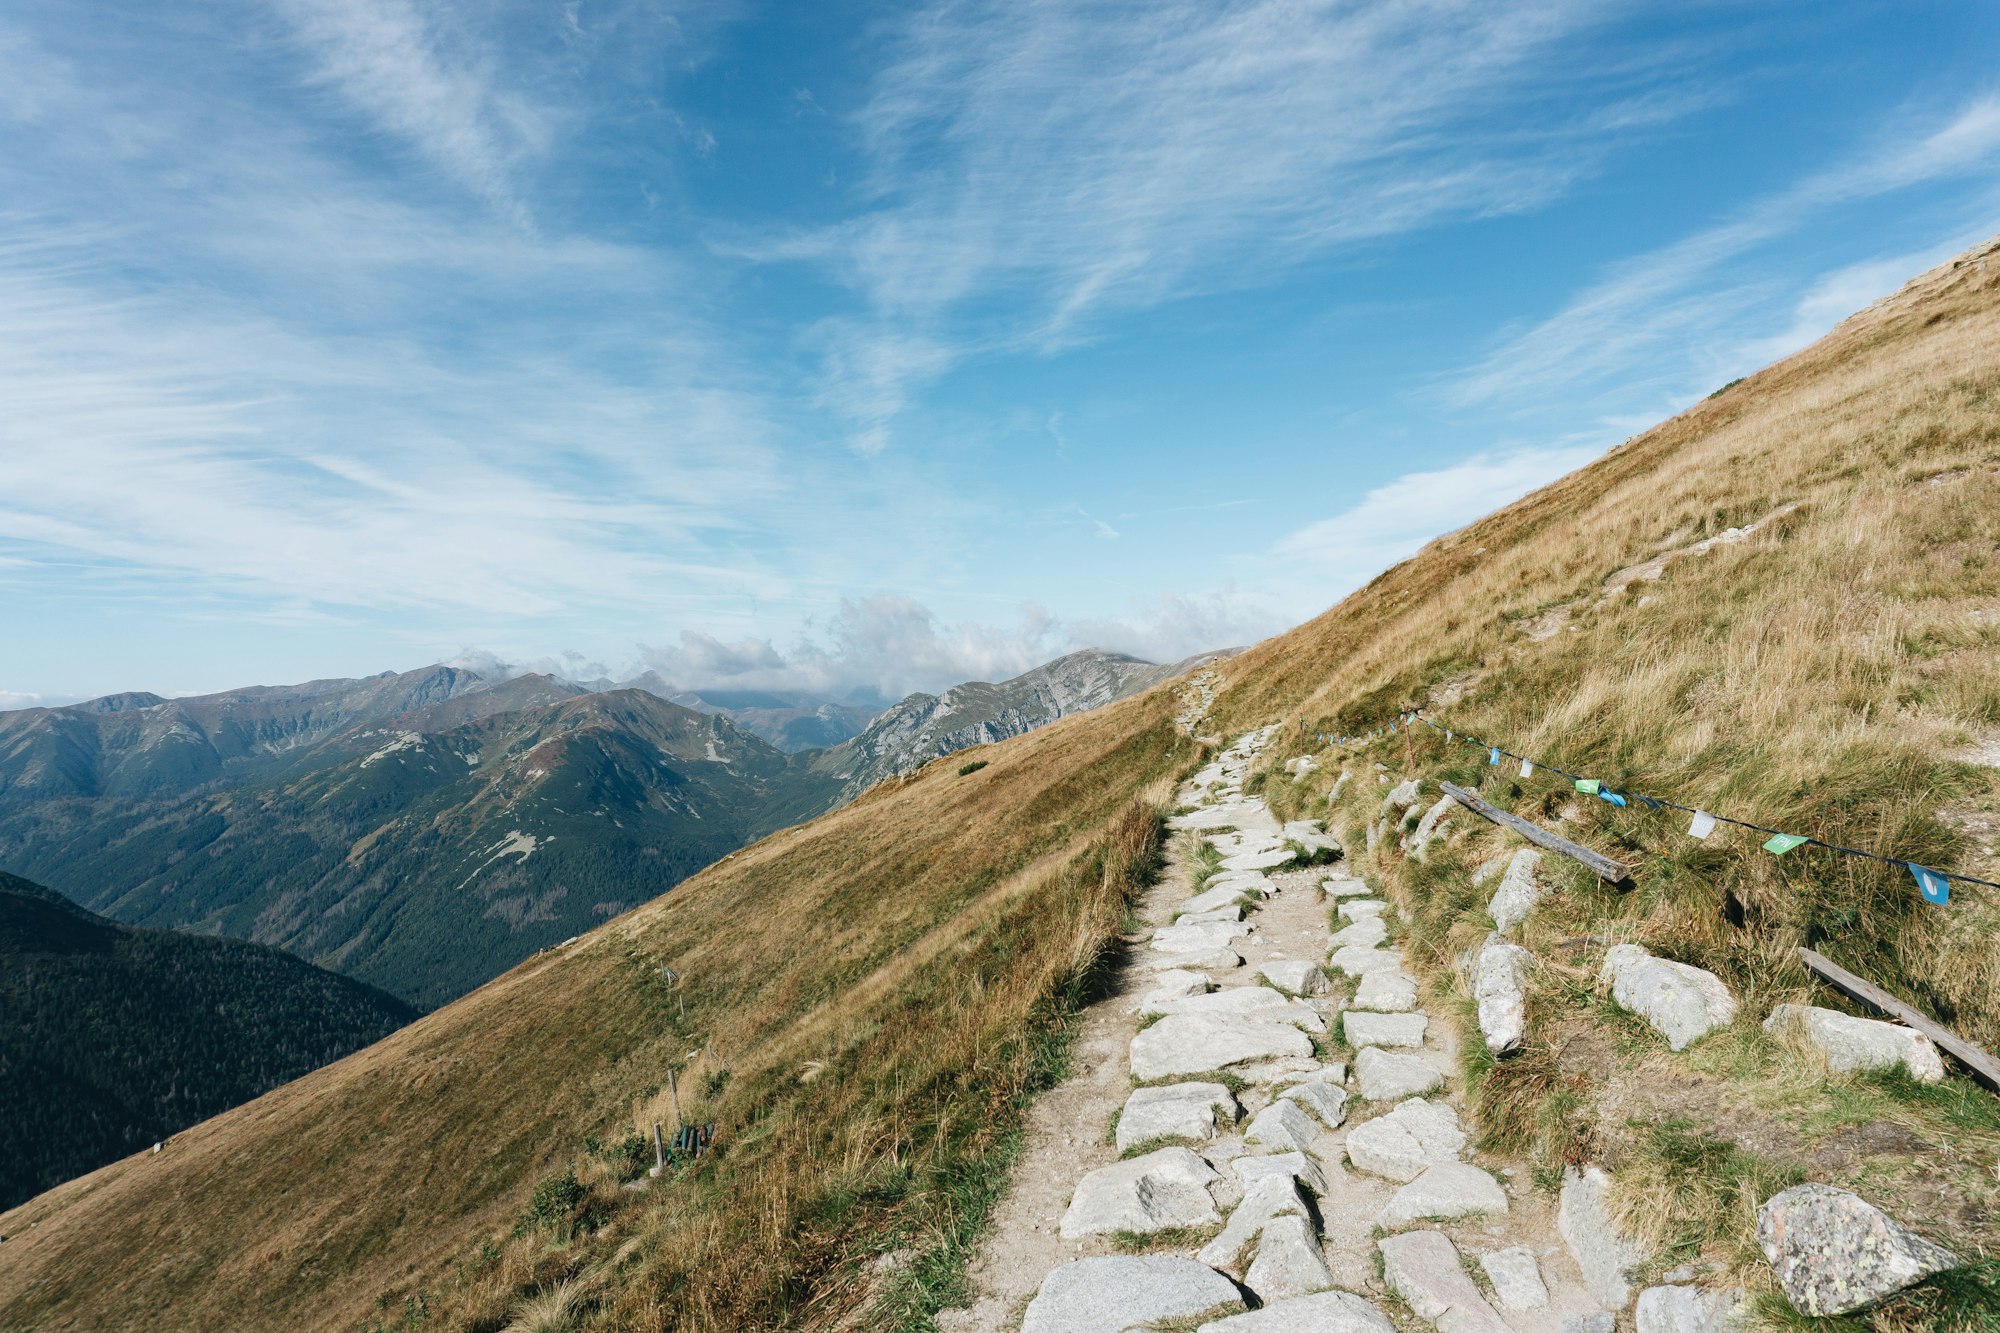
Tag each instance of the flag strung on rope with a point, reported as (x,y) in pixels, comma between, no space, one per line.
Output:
(1701,825)
(1527,768)
(1493,756)
(1588,786)
(1935,887)
(1781,843)
(1612,797)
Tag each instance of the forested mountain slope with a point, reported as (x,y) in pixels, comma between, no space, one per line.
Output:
(112,1038)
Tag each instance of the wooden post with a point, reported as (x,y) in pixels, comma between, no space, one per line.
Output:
(674,1091)
(1976,1059)
(1606,869)
(659,1152)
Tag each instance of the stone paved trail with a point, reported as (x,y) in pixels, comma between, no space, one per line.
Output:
(1298,1157)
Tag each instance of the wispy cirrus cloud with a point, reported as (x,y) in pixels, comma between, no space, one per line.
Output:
(1634,328)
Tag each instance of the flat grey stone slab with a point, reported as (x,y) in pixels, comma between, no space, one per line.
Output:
(1327,1102)
(1293,1165)
(1174,1110)
(1195,938)
(1676,1309)
(1682,1003)
(1357,962)
(1345,886)
(1520,889)
(1851,1043)
(1387,1076)
(1197,1043)
(1174,983)
(1259,860)
(1208,900)
(1118,1292)
(1282,1127)
(1403,795)
(1366,933)
(1422,1267)
(1365,1028)
(1408,1141)
(1289,1262)
(1500,992)
(1161,1191)
(1516,1278)
(1356,908)
(1271,1196)
(1386,991)
(1602,1322)
(1229,913)
(1202,960)
(1835,1252)
(1326,1312)
(1583,1220)
(1300,976)
(1444,1193)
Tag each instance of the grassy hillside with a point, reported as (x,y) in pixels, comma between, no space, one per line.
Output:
(864,1001)
(112,1038)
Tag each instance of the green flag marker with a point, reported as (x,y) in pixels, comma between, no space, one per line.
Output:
(1781,843)
(1588,786)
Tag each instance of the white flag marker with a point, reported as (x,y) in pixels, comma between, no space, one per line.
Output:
(1527,768)
(1702,826)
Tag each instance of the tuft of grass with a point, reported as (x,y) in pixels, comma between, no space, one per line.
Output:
(1681,1191)
(965,770)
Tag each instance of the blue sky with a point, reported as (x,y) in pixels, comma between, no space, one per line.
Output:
(870,347)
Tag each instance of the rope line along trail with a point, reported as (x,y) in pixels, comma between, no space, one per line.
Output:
(1934,885)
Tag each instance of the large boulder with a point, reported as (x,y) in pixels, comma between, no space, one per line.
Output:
(1850,1043)
(1499,989)
(1407,1141)
(1162,1191)
(1325,1312)
(1835,1252)
(1423,1268)
(1682,1003)
(1674,1309)
(1174,1111)
(1387,1076)
(1520,889)
(1119,1292)
(1197,1043)
(1444,1192)
(1583,1220)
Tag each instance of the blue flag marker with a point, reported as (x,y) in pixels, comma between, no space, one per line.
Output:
(1612,797)
(1493,756)
(1935,887)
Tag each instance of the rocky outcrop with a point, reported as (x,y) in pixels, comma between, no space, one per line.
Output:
(1834,1252)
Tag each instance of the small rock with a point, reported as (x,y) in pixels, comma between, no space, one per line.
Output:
(1205,960)
(1584,1222)
(1682,1003)
(1851,1043)
(1282,1127)
(1363,934)
(1212,897)
(1445,1192)
(1312,836)
(1684,1310)
(1345,886)
(1299,977)
(1422,1267)
(1403,795)
(1499,987)
(1229,913)
(1327,1102)
(1326,1312)
(1835,1252)
(1386,1076)
(1520,889)
(1277,856)
(1288,1263)
(1356,908)
(1428,826)
(1117,1292)
(1176,1111)
(1161,1191)
(1386,992)
(1364,1028)
(1516,1278)
(1291,1165)
(1271,1196)
(1408,1140)
(1356,962)
(1197,1043)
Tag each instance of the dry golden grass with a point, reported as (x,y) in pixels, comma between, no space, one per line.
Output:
(867,1000)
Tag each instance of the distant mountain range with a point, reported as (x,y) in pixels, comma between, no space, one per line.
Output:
(423,831)
(112,1038)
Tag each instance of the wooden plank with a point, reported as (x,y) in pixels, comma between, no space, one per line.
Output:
(1980,1061)
(1606,869)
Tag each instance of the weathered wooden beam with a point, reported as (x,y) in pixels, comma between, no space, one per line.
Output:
(1600,865)
(1980,1061)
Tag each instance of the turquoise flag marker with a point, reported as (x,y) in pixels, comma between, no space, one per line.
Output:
(1493,756)
(1935,887)
(1781,843)
(1588,786)
(1612,797)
